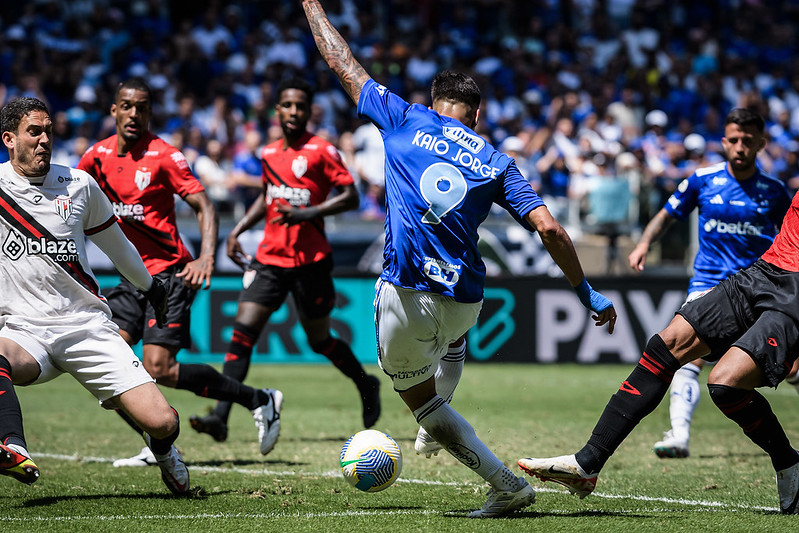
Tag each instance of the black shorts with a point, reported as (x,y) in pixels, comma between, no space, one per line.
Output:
(756,310)
(311,285)
(133,313)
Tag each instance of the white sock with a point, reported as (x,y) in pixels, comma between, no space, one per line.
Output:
(683,399)
(457,436)
(449,371)
(504,480)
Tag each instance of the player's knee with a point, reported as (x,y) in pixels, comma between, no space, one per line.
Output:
(161,370)
(165,424)
(160,423)
(657,350)
(727,398)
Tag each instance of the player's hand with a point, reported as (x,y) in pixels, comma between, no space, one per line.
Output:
(157,296)
(236,253)
(599,304)
(294,215)
(197,274)
(637,258)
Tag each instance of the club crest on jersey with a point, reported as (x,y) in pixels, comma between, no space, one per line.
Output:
(299,166)
(63,206)
(142,178)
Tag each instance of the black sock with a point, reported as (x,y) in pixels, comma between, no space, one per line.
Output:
(638,396)
(162,446)
(237,361)
(10,410)
(339,353)
(204,380)
(751,411)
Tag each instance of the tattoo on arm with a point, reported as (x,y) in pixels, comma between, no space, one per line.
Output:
(335,51)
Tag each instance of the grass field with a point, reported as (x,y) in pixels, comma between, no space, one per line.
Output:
(727,485)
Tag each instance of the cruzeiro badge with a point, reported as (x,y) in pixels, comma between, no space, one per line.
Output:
(63,206)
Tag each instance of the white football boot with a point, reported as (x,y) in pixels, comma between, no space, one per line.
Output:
(501,503)
(267,420)
(788,489)
(144,458)
(173,470)
(564,470)
(672,446)
(425,444)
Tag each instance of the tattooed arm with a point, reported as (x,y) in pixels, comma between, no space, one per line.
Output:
(335,50)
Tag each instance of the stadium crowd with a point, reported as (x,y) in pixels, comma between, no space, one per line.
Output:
(594,98)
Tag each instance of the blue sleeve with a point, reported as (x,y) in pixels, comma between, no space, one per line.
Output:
(517,196)
(685,198)
(383,108)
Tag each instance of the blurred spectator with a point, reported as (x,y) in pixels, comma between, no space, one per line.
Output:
(555,181)
(369,164)
(212,168)
(211,32)
(607,199)
(569,81)
(514,147)
(246,172)
(786,167)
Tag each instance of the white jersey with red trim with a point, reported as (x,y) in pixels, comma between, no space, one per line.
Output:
(44,271)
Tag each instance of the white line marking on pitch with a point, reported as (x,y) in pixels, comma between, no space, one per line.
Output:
(705,504)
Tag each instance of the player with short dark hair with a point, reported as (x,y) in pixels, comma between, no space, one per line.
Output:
(53,318)
(141,174)
(740,210)
(294,256)
(751,321)
(441,180)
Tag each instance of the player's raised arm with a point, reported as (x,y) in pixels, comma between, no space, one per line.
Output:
(335,50)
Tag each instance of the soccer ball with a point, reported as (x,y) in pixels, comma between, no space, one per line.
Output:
(371,460)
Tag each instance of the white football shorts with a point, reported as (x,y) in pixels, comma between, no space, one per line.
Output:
(414,330)
(86,345)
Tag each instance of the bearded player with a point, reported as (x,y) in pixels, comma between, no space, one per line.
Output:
(141,174)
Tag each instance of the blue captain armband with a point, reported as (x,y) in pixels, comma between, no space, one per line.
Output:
(590,298)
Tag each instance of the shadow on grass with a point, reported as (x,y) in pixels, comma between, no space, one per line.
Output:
(195,493)
(727,454)
(341,439)
(463,513)
(244,463)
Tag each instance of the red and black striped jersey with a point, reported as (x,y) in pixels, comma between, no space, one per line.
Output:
(301,175)
(141,186)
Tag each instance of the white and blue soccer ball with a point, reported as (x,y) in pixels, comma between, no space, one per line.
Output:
(371,460)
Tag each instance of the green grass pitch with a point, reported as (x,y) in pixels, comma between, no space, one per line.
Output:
(727,485)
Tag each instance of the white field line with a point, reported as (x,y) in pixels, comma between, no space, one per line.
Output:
(699,505)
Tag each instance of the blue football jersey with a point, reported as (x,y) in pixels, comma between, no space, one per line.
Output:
(441,180)
(737,219)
